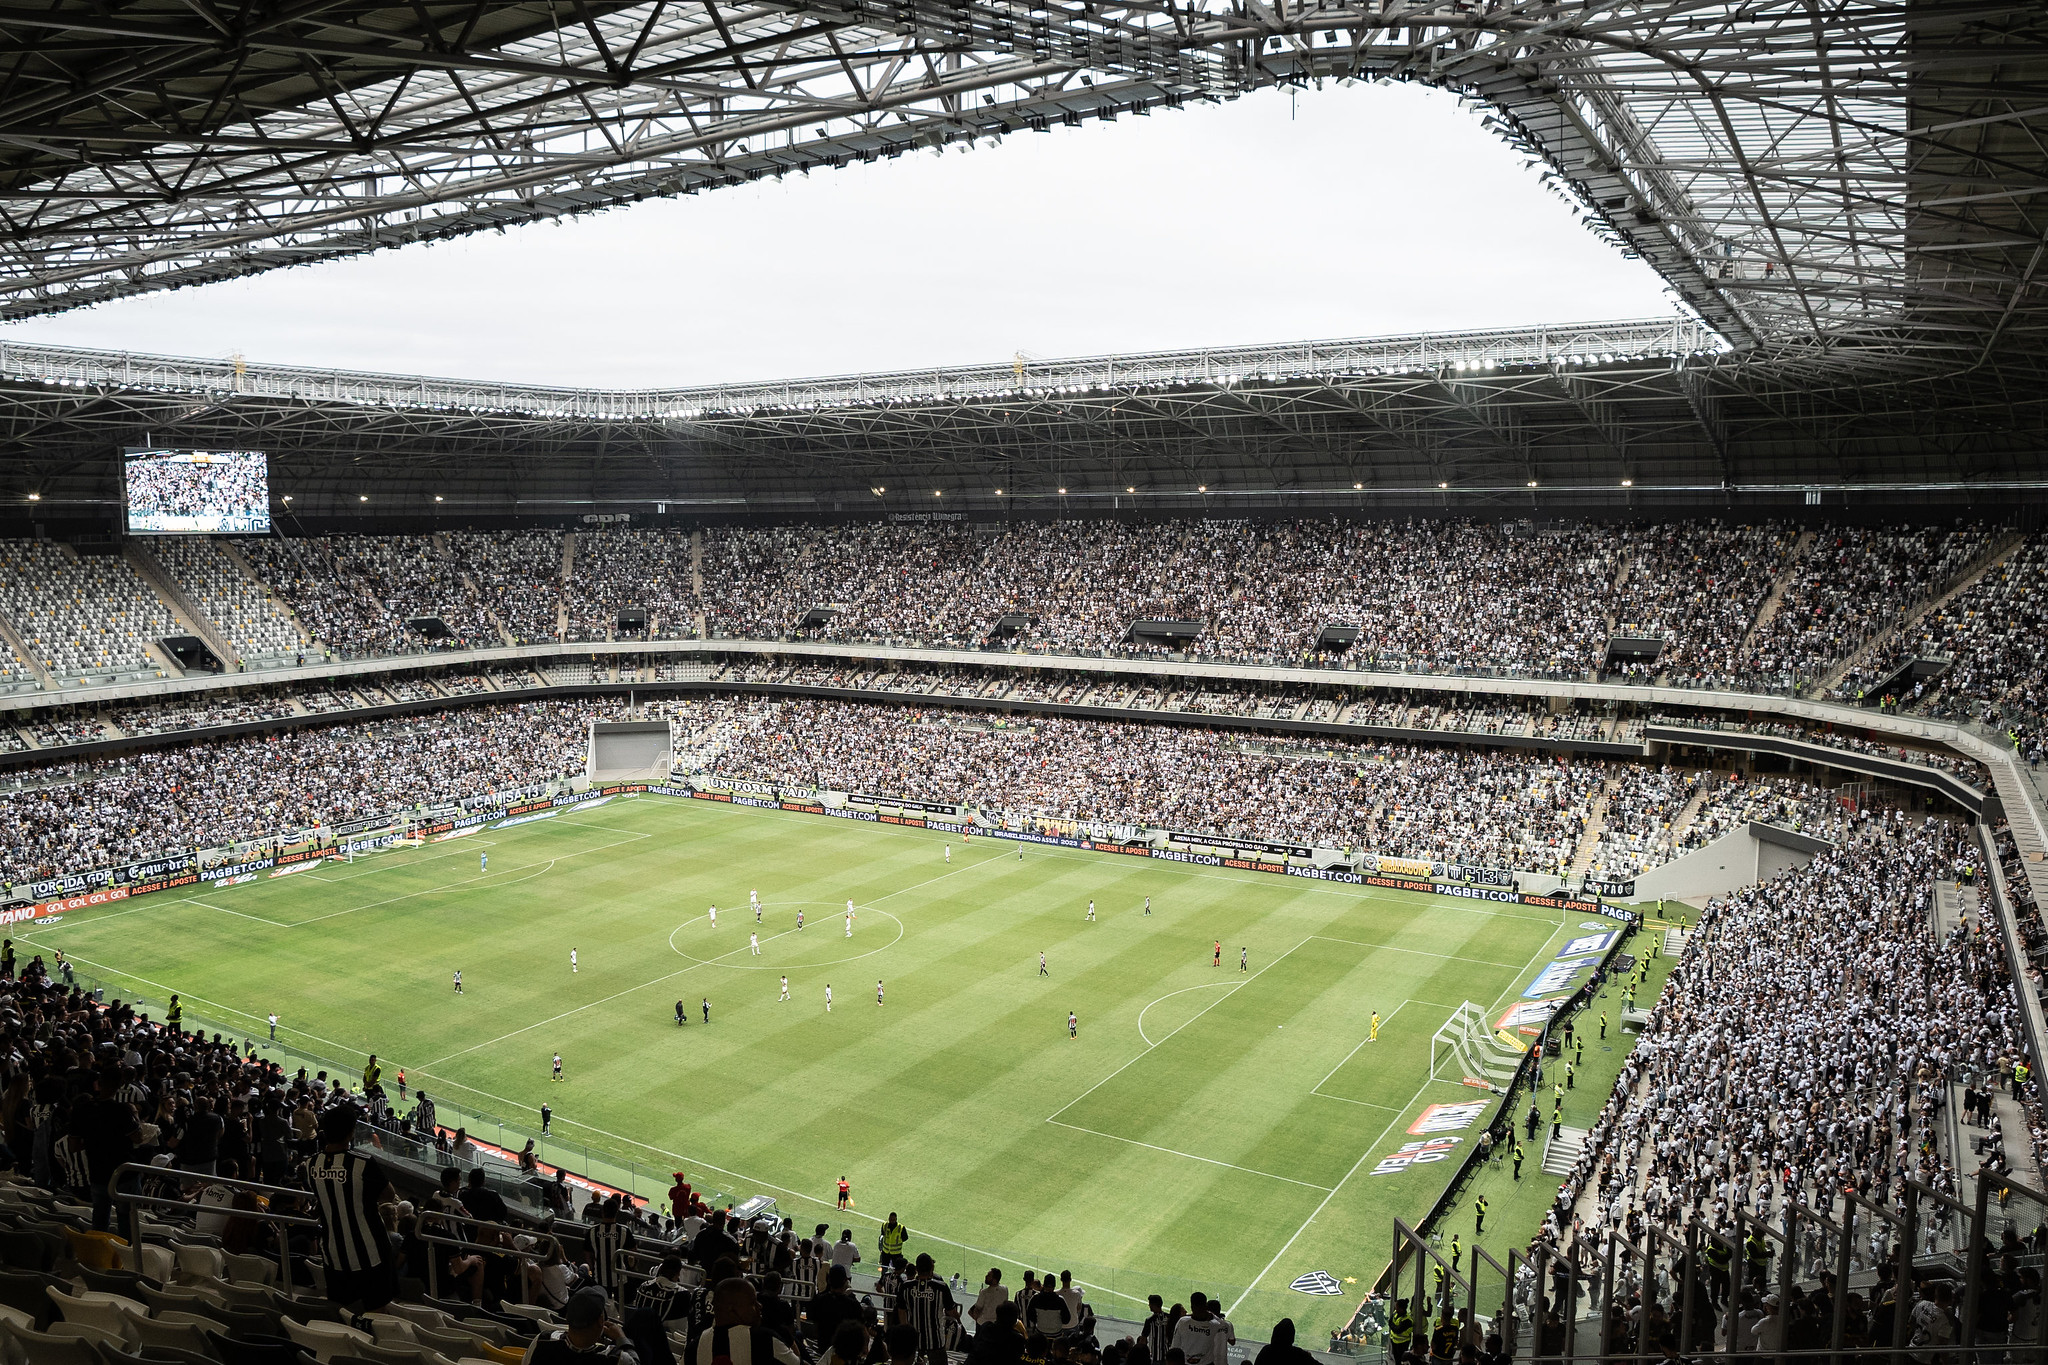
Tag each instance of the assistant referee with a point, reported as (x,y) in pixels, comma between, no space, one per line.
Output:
(348,1188)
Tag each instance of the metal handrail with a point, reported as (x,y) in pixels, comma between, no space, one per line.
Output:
(134,1201)
(542,1243)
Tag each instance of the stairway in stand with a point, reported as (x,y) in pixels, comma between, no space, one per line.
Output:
(1561,1153)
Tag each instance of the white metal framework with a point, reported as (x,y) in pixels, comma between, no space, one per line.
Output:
(1860,175)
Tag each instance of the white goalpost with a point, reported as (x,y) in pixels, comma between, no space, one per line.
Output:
(1467,1049)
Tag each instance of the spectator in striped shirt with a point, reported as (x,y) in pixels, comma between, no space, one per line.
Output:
(1157,1331)
(924,1303)
(663,1295)
(736,1336)
(608,1240)
(347,1190)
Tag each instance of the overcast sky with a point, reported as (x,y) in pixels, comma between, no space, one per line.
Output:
(1345,212)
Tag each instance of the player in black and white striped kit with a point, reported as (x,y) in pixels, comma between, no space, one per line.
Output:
(347,1188)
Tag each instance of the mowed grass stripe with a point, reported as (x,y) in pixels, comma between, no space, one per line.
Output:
(934,1106)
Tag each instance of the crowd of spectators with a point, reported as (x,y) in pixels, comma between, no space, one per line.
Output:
(519,574)
(1640,823)
(1437,595)
(1493,809)
(162,718)
(1969,770)
(1733,801)
(1996,631)
(1526,809)
(235,790)
(619,569)
(357,595)
(1805,1045)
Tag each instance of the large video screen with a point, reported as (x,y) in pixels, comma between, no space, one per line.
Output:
(194,492)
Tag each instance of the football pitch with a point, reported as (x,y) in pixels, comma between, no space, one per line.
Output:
(1212,1127)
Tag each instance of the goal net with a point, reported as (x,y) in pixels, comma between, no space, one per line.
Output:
(1467,1049)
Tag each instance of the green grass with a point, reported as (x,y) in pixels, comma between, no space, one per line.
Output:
(1211,1129)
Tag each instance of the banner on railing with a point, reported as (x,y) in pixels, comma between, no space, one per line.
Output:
(1470,872)
(903,803)
(1245,845)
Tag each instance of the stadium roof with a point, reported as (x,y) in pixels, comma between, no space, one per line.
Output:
(1851,195)
(1628,414)
(1855,173)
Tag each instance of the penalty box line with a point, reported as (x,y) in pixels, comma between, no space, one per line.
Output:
(1366,1155)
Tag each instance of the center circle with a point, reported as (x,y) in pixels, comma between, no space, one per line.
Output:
(747,961)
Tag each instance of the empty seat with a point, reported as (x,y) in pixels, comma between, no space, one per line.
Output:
(22,1347)
(108,1312)
(325,1340)
(182,1336)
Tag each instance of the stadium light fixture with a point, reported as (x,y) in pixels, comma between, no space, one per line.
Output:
(1532,483)
(1628,483)
(1063,492)
(1358,486)
(1202,488)
(35,497)
(439,498)
(999,492)
(1443,485)
(938,493)
(1130,488)
(362,497)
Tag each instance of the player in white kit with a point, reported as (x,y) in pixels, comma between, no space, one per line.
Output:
(849,919)
(754,942)
(754,898)
(572,961)
(714,917)
(785,989)
(828,997)
(1091,909)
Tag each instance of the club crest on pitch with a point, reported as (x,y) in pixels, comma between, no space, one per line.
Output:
(1317,1282)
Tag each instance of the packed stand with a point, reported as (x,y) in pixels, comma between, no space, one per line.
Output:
(1734,801)
(357,594)
(1997,633)
(1698,586)
(1503,810)
(242,789)
(1640,824)
(254,623)
(520,575)
(1830,985)
(88,616)
(614,570)
(1849,585)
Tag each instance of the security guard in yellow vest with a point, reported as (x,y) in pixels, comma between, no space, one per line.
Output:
(1400,1330)
(1756,1252)
(894,1235)
(1717,1260)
